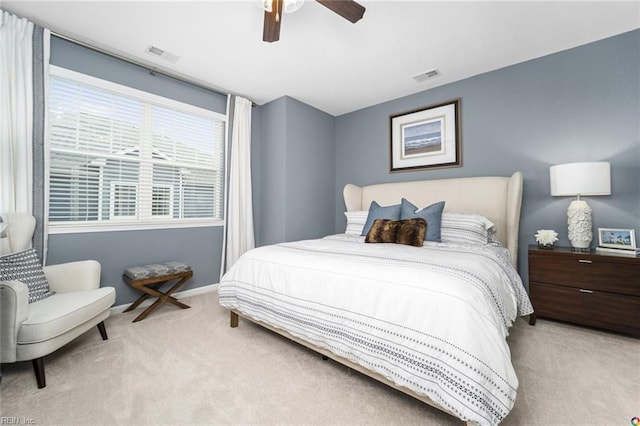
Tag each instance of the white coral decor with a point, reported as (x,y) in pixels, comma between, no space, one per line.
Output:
(546,237)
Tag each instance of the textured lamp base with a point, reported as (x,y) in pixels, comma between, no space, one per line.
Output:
(580,224)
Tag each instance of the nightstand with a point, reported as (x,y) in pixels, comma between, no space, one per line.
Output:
(585,288)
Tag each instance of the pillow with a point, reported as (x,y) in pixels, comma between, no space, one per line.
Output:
(25,267)
(431,214)
(412,231)
(355,221)
(408,232)
(4,239)
(382,231)
(378,212)
(466,229)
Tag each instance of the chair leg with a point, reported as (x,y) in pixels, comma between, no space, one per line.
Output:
(38,368)
(103,331)
(38,363)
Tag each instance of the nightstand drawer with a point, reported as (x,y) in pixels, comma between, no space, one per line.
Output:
(598,309)
(586,271)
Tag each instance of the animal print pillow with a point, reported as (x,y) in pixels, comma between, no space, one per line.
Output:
(407,231)
(411,231)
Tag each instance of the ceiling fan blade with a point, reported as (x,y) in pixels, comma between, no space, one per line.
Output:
(272,20)
(348,9)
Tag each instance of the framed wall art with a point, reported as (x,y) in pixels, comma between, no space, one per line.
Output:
(425,138)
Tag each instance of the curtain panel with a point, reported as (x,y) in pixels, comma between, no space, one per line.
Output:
(24,70)
(239,233)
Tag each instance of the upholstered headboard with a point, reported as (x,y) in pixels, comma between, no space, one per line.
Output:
(497,198)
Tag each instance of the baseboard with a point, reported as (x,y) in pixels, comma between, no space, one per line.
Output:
(178,295)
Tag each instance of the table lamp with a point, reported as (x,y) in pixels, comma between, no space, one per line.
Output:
(580,179)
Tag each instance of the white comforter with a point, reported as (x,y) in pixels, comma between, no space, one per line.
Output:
(432,319)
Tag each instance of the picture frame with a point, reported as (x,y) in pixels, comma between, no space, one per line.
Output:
(425,138)
(624,239)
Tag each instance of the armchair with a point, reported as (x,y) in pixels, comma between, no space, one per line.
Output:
(30,331)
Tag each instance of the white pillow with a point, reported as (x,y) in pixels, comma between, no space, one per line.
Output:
(4,239)
(355,221)
(466,229)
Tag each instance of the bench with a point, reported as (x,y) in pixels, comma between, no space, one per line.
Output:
(149,278)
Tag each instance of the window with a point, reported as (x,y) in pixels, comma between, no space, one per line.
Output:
(162,201)
(122,157)
(123,200)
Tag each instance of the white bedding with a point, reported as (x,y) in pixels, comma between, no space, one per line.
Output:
(432,319)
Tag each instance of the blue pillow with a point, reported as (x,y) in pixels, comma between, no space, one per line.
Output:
(378,212)
(432,214)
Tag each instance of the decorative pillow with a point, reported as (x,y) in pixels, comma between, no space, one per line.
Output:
(431,214)
(466,229)
(25,267)
(4,238)
(378,212)
(409,231)
(356,221)
(412,231)
(382,231)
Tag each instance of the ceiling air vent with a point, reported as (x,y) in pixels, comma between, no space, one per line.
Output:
(167,56)
(427,75)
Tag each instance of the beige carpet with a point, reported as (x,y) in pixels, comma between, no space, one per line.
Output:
(188,367)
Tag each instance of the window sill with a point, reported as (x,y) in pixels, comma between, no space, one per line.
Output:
(79,228)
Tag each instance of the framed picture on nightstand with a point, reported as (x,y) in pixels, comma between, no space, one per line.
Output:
(617,238)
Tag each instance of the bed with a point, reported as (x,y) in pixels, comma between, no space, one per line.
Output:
(430,321)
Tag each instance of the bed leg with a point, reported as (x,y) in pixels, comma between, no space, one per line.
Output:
(233,319)
(532,318)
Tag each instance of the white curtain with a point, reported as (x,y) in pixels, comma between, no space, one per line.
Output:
(24,60)
(16,117)
(239,236)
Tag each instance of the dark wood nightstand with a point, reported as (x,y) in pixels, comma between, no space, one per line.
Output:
(586,288)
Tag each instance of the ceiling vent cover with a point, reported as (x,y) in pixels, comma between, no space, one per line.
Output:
(427,75)
(167,56)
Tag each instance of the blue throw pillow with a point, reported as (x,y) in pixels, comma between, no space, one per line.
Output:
(432,214)
(378,212)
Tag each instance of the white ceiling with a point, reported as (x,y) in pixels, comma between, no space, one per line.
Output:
(324,60)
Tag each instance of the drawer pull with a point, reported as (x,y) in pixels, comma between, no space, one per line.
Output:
(582,290)
(584,261)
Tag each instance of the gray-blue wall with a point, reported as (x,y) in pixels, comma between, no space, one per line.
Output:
(271,220)
(75,57)
(296,170)
(577,105)
(200,247)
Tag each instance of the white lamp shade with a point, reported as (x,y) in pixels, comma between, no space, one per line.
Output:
(581,179)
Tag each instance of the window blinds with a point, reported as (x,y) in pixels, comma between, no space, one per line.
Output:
(122,158)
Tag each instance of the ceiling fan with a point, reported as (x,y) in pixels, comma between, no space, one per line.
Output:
(348,9)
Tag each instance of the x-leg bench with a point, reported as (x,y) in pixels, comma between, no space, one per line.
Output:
(150,278)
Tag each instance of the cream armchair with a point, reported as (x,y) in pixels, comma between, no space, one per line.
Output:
(30,331)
